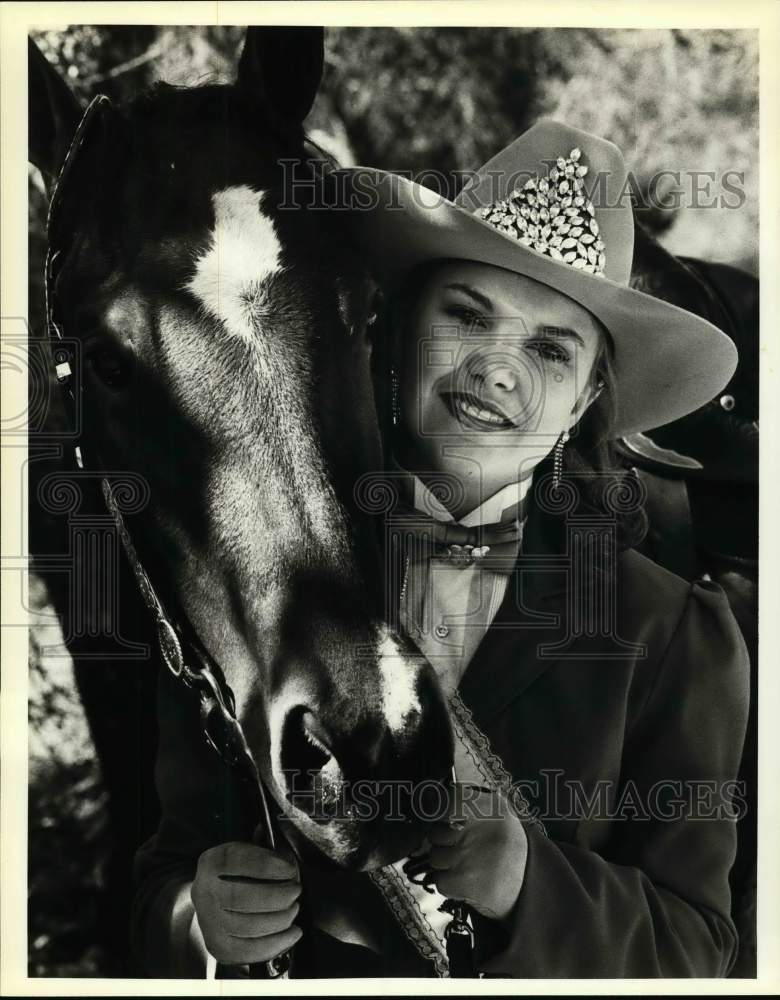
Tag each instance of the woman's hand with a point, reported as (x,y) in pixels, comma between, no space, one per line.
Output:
(246,899)
(481,858)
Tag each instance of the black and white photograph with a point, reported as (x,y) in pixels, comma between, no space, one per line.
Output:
(384,463)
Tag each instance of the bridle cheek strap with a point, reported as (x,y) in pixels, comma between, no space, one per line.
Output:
(221,728)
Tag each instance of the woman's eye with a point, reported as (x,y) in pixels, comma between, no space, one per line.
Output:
(468,317)
(548,350)
(113,370)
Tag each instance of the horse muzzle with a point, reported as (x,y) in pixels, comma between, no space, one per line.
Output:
(360,769)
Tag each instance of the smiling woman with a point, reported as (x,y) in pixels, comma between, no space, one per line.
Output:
(515,352)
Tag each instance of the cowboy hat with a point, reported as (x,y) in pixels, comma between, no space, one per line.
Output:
(555,206)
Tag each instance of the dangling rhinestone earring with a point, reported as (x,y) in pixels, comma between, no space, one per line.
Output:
(394,400)
(558,459)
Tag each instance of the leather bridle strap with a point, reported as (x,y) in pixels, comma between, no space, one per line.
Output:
(195,671)
(222,730)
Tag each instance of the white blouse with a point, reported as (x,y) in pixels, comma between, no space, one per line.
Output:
(446,609)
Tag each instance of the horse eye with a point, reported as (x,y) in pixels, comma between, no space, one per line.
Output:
(112,370)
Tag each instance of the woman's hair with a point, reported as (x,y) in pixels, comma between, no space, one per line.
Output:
(603,489)
(595,486)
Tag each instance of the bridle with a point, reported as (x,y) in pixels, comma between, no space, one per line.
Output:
(182,652)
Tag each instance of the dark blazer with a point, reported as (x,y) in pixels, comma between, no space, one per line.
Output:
(620,707)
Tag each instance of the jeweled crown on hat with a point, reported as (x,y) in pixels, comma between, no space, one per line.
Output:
(553,215)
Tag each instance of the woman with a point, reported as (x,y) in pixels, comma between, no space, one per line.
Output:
(598,701)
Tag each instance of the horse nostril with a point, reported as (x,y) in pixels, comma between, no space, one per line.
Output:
(315,732)
(312,774)
(304,742)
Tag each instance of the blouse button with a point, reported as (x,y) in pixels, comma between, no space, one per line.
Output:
(727,402)
(441,631)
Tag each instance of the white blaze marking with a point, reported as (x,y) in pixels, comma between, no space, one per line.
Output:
(231,275)
(399,693)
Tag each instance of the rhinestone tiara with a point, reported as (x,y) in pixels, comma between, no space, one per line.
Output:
(554,216)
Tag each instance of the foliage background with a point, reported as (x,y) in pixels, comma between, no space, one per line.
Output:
(411,99)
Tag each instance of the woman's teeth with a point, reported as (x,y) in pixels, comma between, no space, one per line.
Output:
(470,409)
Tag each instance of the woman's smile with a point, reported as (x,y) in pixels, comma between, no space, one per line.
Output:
(476,412)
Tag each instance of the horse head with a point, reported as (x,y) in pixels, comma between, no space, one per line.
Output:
(221,316)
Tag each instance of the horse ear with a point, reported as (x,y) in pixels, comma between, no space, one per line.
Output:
(282,68)
(53,114)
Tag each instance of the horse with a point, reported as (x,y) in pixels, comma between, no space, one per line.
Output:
(225,370)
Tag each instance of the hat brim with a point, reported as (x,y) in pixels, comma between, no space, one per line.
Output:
(668,362)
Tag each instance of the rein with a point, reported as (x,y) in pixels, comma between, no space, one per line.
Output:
(196,670)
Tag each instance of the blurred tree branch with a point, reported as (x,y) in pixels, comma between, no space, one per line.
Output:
(152,53)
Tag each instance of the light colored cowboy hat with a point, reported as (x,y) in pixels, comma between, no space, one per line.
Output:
(555,206)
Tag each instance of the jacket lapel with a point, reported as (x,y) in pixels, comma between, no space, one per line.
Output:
(530,623)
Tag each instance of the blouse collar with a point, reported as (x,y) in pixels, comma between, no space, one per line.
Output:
(506,504)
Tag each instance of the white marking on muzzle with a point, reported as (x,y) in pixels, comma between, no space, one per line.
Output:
(398,673)
(231,276)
